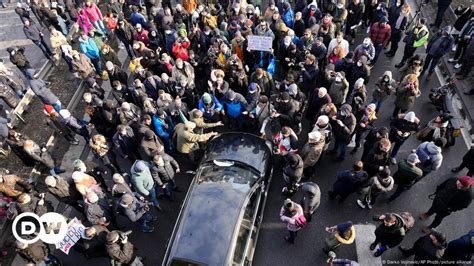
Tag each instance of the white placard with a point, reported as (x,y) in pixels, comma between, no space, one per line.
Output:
(75,231)
(259,43)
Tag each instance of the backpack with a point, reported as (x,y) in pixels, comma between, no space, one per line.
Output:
(423,156)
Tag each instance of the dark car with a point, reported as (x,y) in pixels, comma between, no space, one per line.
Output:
(223,209)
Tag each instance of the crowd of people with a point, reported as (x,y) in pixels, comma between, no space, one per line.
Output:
(192,74)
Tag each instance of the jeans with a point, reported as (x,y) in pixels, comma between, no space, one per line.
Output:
(378,104)
(292,237)
(100,26)
(408,52)
(430,59)
(439,15)
(144,220)
(57,106)
(44,47)
(169,187)
(97,65)
(153,197)
(378,50)
(398,192)
(341,147)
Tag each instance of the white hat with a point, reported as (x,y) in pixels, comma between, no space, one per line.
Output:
(314,136)
(410,116)
(65,113)
(109,65)
(323,119)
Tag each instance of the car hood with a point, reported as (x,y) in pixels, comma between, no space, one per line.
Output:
(241,147)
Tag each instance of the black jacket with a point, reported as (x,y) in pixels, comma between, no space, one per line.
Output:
(449,198)
(468,159)
(393,235)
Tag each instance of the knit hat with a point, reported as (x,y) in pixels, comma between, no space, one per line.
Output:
(413,158)
(314,136)
(109,66)
(466,181)
(48,108)
(50,181)
(206,98)
(285,96)
(359,82)
(140,167)
(371,107)
(126,199)
(118,178)
(344,227)
(322,91)
(230,95)
(293,89)
(253,87)
(384,19)
(77,176)
(410,117)
(288,205)
(323,119)
(78,164)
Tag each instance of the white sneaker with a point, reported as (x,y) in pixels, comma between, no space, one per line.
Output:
(457,66)
(452,60)
(121,46)
(454,48)
(369,206)
(361,204)
(393,160)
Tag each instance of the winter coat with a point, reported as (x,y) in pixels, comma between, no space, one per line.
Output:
(294,174)
(461,248)
(9,96)
(84,22)
(464,14)
(290,221)
(31,206)
(19,59)
(187,73)
(96,211)
(376,158)
(125,145)
(439,45)
(35,253)
(7,187)
(64,190)
(46,95)
(406,127)
(33,32)
(380,35)
(87,184)
(361,50)
(134,211)
(163,173)
(338,91)
(425,250)
(142,182)
(315,104)
(180,50)
(125,33)
(311,152)
(131,117)
(311,197)
(433,155)
(468,159)
(378,186)
(393,235)
(40,156)
(449,198)
(83,66)
(148,148)
(344,131)
(405,98)
(89,48)
(407,173)
(121,253)
(93,13)
(187,142)
(349,181)
(382,88)
(355,13)
(142,36)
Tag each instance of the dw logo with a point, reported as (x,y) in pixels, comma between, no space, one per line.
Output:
(28,227)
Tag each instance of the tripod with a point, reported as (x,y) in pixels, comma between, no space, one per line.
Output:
(417,13)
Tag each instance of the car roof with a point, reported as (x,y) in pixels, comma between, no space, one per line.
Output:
(241,147)
(208,223)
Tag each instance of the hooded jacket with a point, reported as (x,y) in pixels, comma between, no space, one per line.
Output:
(164,171)
(382,88)
(311,152)
(19,59)
(294,172)
(89,48)
(142,181)
(83,66)
(311,197)
(343,132)
(407,174)
(449,198)
(435,156)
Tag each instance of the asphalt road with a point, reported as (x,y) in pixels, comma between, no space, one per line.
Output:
(273,250)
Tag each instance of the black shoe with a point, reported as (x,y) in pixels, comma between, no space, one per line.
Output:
(331,152)
(390,55)
(378,253)
(158,207)
(169,197)
(149,230)
(60,171)
(339,159)
(177,189)
(470,92)
(331,194)
(354,150)
(373,246)
(399,65)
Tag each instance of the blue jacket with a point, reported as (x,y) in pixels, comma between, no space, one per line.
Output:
(137,18)
(288,18)
(142,182)
(89,48)
(234,108)
(216,105)
(161,130)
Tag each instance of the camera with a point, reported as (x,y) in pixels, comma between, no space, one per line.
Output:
(124,235)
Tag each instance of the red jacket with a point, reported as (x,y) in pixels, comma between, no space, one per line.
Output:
(380,35)
(142,37)
(180,50)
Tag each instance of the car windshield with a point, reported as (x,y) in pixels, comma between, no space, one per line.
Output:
(241,178)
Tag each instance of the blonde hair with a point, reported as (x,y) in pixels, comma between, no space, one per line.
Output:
(99,144)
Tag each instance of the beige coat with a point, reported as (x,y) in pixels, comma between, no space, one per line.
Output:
(311,152)
(188,142)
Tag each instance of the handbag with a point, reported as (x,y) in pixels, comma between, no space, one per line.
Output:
(420,135)
(301,222)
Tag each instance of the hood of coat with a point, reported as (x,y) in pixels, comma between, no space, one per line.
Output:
(432,148)
(388,73)
(346,108)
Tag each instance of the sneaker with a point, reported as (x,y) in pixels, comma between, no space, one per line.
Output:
(361,204)
(452,60)
(369,206)
(393,160)
(149,230)
(455,170)
(378,253)
(457,66)
(121,46)
(454,48)
(373,246)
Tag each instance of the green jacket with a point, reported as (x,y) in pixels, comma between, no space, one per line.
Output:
(407,173)
(421,36)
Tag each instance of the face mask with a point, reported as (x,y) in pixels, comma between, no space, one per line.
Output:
(343,113)
(359,64)
(287,43)
(338,79)
(153,33)
(386,79)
